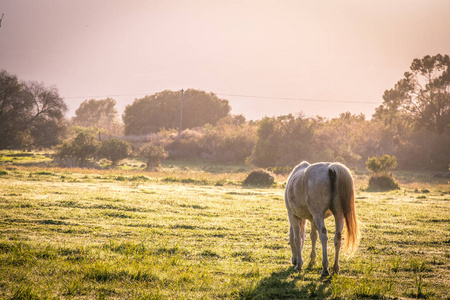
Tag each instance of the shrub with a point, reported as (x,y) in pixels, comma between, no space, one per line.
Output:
(382,164)
(281,170)
(380,179)
(187,147)
(259,177)
(283,141)
(229,141)
(114,150)
(153,154)
(78,150)
(382,182)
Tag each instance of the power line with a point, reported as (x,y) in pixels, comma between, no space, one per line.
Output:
(299,99)
(104,96)
(238,95)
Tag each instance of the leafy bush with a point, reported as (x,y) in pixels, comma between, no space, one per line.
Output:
(382,164)
(382,182)
(228,141)
(187,147)
(153,154)
(78,150)
(380,179)
(259,177)
(114,150)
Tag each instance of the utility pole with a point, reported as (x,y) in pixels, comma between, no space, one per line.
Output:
(181,115)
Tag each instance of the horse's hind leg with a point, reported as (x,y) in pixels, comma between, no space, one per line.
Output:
(339,221)
(292,243)
(296,235)
(313,236)
(320,225)
(302,233)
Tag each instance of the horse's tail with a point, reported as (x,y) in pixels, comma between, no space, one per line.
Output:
(342,187)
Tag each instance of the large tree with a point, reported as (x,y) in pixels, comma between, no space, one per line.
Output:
(31,114)
(422,97)
(13,104)
(162,110)
(98,113)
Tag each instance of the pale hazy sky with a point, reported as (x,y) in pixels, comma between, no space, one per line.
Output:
(327,50)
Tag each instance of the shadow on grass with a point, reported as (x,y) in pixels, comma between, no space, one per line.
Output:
(289,284)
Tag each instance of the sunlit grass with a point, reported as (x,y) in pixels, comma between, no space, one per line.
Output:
(130,234)
(24,158)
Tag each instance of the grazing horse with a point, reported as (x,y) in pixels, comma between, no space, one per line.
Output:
(315,192)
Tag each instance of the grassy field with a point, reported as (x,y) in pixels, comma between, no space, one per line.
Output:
(193,232)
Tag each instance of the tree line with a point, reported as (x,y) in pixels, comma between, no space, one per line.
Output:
(412,123)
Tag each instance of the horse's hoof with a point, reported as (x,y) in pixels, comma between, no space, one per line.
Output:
(294,262)
(297,268)
(325,273)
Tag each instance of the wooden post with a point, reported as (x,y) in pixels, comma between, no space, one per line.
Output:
(181,115)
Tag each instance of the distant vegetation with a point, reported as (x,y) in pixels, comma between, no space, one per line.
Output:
(100,114)
(412,124)
(162,110)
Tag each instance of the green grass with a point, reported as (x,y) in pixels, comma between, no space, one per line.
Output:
(193,233)
(14,157)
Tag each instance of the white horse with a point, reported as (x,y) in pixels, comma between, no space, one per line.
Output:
(315,192)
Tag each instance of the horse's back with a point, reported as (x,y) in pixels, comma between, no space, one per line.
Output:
(316,176)
(308,190)
(318,189)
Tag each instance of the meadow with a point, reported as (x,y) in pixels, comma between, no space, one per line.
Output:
(192,231)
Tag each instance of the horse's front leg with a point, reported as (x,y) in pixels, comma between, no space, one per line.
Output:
(320,225)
